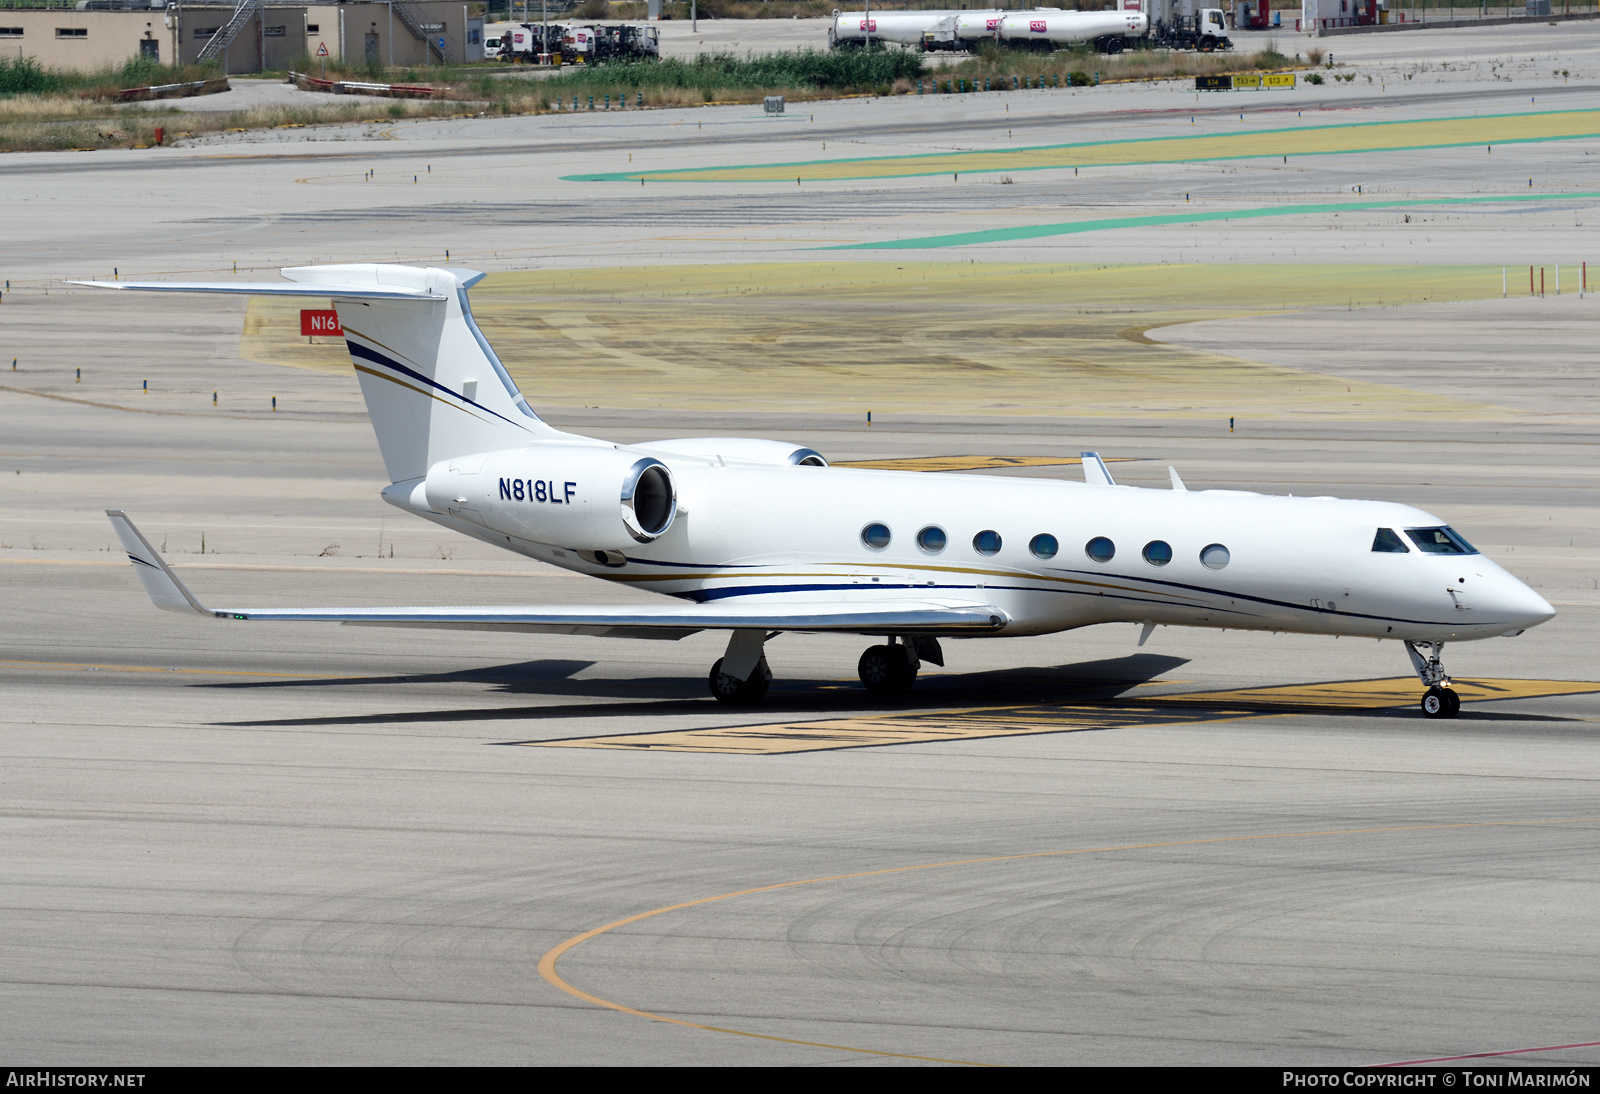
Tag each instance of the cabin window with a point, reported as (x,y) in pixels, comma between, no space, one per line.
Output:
(986,542)
(1100,549)
(931,539)
(875,536)
(1440,541)
(1044,545)
(1215,556)
(1387,543)
(1158,552)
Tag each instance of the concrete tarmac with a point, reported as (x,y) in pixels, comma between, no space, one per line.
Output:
(256,843)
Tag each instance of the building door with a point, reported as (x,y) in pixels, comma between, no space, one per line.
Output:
(372,49)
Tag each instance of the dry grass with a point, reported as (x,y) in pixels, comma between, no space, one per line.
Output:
(44,122)
(56,123)
(909,338)
(994,63)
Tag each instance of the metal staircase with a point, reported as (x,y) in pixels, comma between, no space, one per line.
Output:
(408,17)
(241,17)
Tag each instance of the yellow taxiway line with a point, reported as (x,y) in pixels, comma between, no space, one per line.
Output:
(547,963)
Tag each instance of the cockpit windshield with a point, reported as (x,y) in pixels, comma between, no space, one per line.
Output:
(1387,543)
(1440,541)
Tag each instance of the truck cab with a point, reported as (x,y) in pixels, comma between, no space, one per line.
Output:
(1212,30)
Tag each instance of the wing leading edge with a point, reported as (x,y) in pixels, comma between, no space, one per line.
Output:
(671,621)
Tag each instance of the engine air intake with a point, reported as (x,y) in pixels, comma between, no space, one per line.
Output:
(649,500)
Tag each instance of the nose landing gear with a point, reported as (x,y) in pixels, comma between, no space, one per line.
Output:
(1441,703)
(1440,700)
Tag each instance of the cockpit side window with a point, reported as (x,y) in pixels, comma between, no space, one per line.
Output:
(1440,541)
(1387,543)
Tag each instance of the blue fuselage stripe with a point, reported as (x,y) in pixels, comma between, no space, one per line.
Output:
(369,354)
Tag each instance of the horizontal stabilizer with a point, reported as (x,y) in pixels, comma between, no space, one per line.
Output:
(271,288)
(671,620)
(346,281)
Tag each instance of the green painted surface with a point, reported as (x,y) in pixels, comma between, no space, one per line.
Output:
(1396,135)
(1073,227)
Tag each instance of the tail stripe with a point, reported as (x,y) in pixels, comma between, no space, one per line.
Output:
(358,350)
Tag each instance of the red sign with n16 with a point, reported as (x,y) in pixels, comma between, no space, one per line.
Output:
(314,321)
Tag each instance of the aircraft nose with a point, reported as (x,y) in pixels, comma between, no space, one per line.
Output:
(1521,605)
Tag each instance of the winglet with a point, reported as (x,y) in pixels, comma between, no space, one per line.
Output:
(166,591)
(1094,470)
(1177,483)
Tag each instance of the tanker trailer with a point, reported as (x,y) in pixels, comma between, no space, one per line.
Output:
(1108,30)
(973,28)
(852,28)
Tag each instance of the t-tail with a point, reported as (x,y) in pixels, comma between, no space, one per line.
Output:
(434,388)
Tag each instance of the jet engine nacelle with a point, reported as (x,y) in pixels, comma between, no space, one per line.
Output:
(738,450)
(579,496)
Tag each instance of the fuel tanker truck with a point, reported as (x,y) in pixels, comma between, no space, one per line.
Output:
(1040,28)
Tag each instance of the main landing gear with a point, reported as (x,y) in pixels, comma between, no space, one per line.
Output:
(741,676)
(740,693)
(892,668)
(1440,700)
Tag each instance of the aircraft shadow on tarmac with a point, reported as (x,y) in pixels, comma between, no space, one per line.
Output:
(1088,682)
(1091,695)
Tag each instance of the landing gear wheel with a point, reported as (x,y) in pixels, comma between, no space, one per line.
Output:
(886,669)
(736,692)
(1441,703)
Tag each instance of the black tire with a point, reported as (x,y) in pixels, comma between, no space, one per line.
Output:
(1114,46)
(736,692)
(1441,703)
(886,669)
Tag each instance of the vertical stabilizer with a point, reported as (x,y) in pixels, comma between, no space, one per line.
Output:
(434,387)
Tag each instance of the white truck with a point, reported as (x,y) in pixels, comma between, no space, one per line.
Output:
(1205,30)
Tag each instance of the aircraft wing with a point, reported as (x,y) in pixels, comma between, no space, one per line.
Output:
(670,621)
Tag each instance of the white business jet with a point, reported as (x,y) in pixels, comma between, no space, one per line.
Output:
(759,537)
